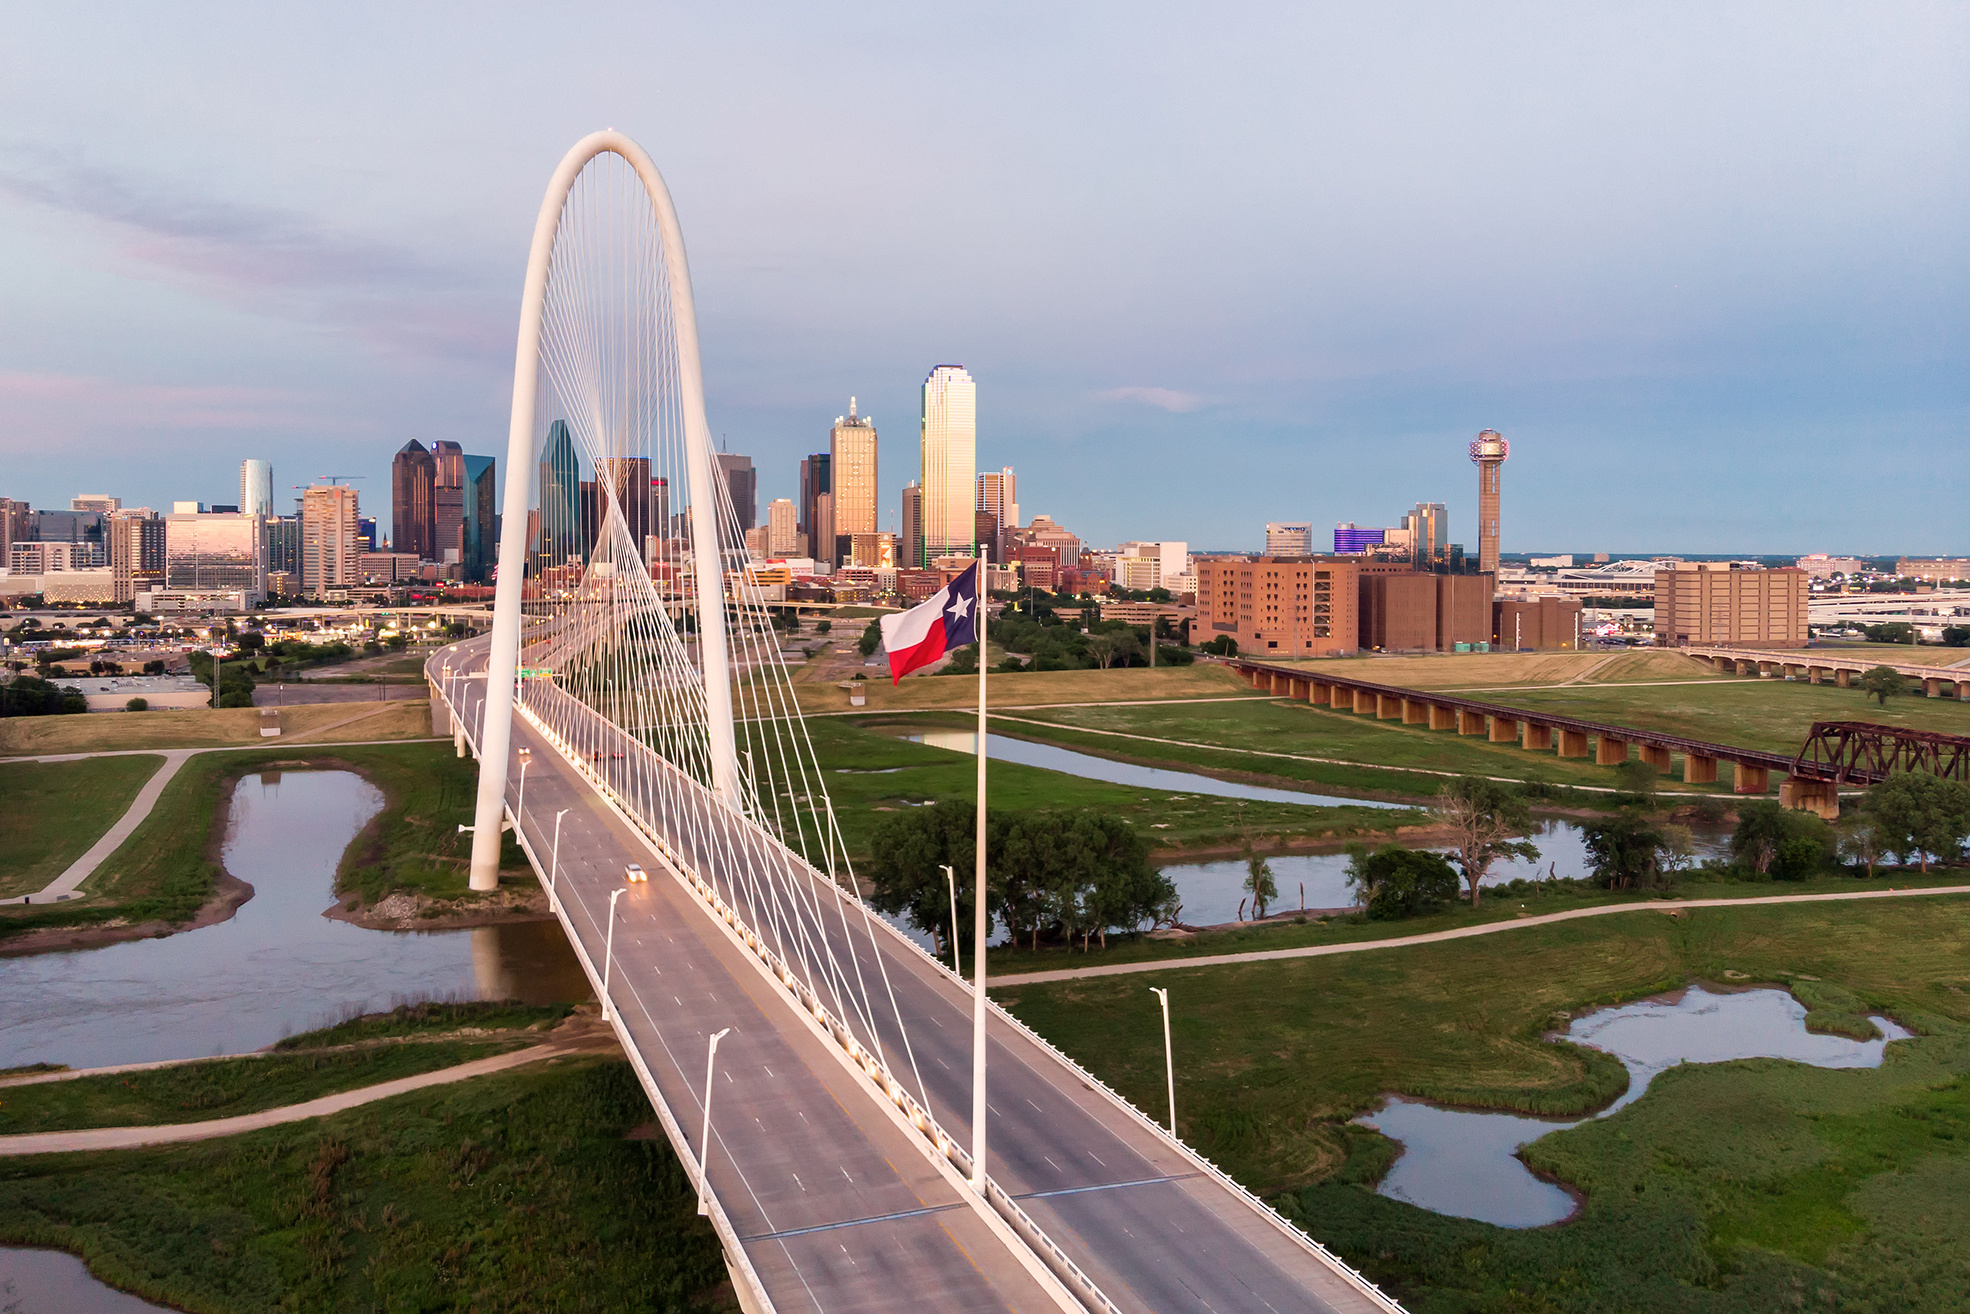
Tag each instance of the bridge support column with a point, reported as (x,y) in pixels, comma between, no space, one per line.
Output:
(1609,751)
(1820,797)
(1656,756)
(1538,738)
(1813,674)
(1699,770)
(1932,688)
(1750,779)
(1963,691)
(1388,707)
(1301,691)
(458,738)
(1844,679)
(1724,665)
(1504,730)
(1573,743)
(1746,668)
(1469,722)
(1364,702)
(1415,712)
(1319,693)
(1442,718)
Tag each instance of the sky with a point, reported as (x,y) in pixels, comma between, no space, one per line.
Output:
(1704,266)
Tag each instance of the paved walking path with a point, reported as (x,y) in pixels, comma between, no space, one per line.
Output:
(123,1138)
(85,866)
(1460,933)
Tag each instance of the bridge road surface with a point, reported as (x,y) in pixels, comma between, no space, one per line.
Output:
(836,1209)
(1138,1218)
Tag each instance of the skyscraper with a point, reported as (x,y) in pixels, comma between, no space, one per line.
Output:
(998,496)
(782,528)
(1489,450)
(852,477)
(910,541)
(817,483)
(742,485)
(481,506)
(330,556)
(949,428)
(448,502)
(558,537)
(413,486)
(136,553)
(216,553)
(1291,538)
(1429,533)
(256,488)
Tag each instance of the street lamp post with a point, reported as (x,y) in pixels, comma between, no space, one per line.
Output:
(554,866)
(704,1141)
(520,808)
(951,876)
(609,954)
(1169,1057)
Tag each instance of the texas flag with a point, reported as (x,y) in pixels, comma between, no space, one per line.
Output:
(944,623)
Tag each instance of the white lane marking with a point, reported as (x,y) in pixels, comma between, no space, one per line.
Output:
(846,1178)
(1097,1158)
(797,1182)
(1049,1159)
(1035,1107)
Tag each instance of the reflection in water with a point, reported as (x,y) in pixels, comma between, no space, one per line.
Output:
(56,1282)
(1464,1163)
(1006,749)
(277,966)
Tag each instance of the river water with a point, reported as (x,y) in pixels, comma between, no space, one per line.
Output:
(277,966)
(1465,1163)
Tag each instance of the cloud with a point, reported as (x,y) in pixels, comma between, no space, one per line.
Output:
(273,262)
(1168,399)
(35,408)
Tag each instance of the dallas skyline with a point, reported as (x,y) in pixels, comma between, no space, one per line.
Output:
(1704,270)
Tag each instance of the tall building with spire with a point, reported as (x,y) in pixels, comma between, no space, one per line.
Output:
(1489,450)
(949,429)
(853,475)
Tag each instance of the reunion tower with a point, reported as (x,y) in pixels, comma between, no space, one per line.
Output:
(1489,450)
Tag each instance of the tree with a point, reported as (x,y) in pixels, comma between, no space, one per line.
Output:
(1860,840)
(906,867)
(1222,646)
(137,705)
(1956,636)
(1482,817)
(1637,777)
(30,695)
(824,627)
(1393,882)
(1892,632)
(250,643)
(1258,882)
(1114,647)
(1626,851)
(871,638)
(1884,682)
(1781,842)
(1920,815)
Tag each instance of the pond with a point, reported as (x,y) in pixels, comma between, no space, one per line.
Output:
(56,1282)
(277,966)
(1004,748)
(1213,890)
(1465,1163)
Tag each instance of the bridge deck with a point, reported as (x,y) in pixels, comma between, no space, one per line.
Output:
(837,1206)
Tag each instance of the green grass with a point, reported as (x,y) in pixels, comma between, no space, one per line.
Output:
(1235,733)
(429,1018)
(1774,715)
(55,810)
(166,870)
(872,771)
(223,1088)
(518,1191)
(1728,1187)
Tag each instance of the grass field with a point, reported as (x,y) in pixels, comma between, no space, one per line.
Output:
(1735,1187)
(872,771)
(521,1191)
(166,870)
(1028,688)
(1234,735)
(1769,714)
(1480,670)
(55,810)
(24,736)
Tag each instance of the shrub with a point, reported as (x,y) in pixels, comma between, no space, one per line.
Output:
(1393,883)
(137,705)
(1780,842)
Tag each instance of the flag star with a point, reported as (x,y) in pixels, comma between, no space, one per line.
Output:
(960,607)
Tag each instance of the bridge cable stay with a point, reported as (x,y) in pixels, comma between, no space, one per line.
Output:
(647,649)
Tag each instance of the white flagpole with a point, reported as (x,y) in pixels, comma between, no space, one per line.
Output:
(981,919)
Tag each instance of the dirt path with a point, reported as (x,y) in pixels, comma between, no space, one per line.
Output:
(140,807)
(123,1138)
(1671,907)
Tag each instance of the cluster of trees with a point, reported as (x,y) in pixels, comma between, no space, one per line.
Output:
(1055,646)
(1053,874)
(1392,882)
(30,695)
(235,681)
(1913,816)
